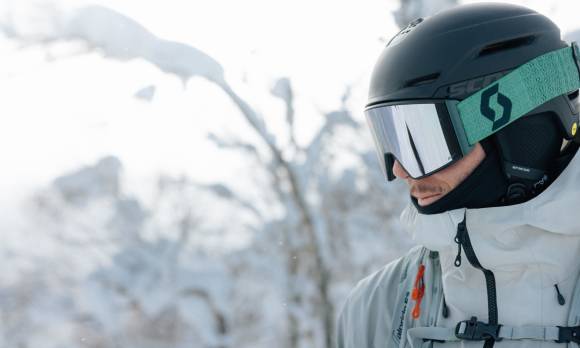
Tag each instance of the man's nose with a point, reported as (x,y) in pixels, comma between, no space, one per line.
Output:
(399,171)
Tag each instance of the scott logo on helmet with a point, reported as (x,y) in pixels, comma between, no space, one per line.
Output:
(490,113)
(465,88)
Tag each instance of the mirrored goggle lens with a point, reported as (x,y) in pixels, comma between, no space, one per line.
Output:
(413,135)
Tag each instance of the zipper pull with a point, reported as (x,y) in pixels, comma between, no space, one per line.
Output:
(458,240)
(561,299)
(418,292)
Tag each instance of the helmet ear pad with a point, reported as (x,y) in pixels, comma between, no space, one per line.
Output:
(529,146)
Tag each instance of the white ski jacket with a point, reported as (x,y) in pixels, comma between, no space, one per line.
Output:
(532,249)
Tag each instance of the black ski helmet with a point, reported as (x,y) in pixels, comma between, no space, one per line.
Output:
(455,53)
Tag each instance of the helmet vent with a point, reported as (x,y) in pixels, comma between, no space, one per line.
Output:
(422,80)
(506,45)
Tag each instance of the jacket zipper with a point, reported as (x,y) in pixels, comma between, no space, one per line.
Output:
(463,241)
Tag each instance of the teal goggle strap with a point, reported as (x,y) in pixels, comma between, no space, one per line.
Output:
(517,93)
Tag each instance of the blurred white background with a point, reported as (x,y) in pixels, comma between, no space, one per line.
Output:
(193,174)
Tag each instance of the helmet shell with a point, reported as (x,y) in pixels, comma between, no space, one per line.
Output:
(456,52)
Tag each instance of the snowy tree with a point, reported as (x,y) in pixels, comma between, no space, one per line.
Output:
(332,229)
(323,210)
(123,273)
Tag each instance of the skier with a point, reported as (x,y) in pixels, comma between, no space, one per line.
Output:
(475,109)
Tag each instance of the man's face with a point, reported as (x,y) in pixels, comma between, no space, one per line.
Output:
(431,188)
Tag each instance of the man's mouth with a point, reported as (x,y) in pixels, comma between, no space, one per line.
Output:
(427,199)
(426,195)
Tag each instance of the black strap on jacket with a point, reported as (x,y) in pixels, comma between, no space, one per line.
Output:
(478,330)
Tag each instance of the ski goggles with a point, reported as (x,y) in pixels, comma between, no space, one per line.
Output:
(426,136)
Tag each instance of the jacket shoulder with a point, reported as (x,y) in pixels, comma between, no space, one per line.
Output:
(367,314)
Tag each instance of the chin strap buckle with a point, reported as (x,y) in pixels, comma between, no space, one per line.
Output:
(473,330)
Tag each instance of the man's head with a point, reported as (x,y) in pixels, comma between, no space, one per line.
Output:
(460,106)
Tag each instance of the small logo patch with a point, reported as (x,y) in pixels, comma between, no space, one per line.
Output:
(403,33)
(490,113)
